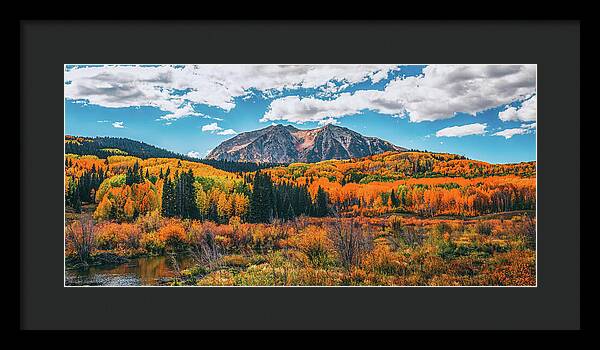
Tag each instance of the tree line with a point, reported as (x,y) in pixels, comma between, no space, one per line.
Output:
(83,189)
(283,201)
(103,147)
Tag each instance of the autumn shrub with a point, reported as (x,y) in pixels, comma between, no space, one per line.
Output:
(80,238)
(152,243)
(445,247)
(315,244)
(394,223)
(356,277)
(461,266)
(236,261)
(265,237)
(404,236)
(206,249)
(447,280)
(442,228)
(514,268)
(118,236)
(173,235)
(432,265)
(483,228)
(351,243)
(382,260)
(219,278)
(525,230)
(311,276)
(150,222)
(241,235)
(195,232)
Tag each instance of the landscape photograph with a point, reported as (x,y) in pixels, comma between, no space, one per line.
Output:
(300,175)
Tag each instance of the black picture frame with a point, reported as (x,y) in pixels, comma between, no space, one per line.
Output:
(45,46)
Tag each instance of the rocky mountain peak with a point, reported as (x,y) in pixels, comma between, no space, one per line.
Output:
(285,144)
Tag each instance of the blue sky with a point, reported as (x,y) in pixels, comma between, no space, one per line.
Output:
(483,112)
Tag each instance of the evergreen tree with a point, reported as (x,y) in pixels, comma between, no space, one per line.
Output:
(394,199)
(168,198)
(76,200)
(128,177)
(321,203)
(261,200)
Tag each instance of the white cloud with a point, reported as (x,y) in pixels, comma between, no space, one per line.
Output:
(508,133)
(462,130)
(527,112)
(173,88)
(227,132)
(185,111)
(439,93)
(103,121)
(328,121)
(523,130)
(194,154)
(212,127)
(118,125)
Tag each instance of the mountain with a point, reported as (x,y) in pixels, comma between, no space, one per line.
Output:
(287,144)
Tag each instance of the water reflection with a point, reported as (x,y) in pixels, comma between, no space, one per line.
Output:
(139,271)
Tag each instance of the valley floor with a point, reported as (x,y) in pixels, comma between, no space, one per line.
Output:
(392,250)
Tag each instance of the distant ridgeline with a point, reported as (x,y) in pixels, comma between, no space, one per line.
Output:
(103,147)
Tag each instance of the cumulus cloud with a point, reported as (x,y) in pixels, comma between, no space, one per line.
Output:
(118,125)
(522,130)
(462,130)
(215,128)
(527,112)
(212,127)
(184,111)
(328,121)
(193,154)
(173,89)
(508,133)
(227,132)
(439,93)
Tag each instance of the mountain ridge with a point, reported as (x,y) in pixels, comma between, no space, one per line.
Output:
(287,144)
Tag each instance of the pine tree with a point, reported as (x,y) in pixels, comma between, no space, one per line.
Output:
(321,205)
(76,200)
(261,200)
(394,199)
(167,198)
(128,177)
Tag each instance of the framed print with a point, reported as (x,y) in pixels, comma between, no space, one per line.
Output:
(237,175)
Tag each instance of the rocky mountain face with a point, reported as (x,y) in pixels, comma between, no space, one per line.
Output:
(287,144)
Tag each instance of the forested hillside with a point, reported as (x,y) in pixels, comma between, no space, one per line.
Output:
(104,147)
